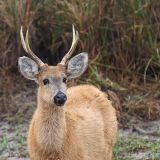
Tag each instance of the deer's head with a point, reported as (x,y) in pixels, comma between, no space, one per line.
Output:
(52,80)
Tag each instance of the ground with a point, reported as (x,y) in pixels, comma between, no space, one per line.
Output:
(131,145)
(134,145)
(138,139)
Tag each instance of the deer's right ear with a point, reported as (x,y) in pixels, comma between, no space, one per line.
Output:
(28,67)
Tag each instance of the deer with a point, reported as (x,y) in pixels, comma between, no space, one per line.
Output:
(76,123)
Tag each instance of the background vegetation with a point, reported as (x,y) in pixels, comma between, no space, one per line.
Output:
(121,37)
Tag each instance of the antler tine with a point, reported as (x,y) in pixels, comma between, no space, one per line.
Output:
(30,51)
(73,46)
(22,39)
(25,44)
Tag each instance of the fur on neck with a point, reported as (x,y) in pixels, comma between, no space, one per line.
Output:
(50,126)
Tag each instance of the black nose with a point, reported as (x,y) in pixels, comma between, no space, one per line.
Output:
(60,98)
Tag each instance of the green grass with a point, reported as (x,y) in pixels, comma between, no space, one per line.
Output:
(3,143)
(126,148)
(13,142)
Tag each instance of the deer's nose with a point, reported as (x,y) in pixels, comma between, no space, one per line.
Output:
(60,98)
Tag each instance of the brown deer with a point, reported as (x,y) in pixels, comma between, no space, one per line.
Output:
(78,123)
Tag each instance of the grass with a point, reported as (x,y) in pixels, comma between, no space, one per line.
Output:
(13,142)
(4,143)
(127,147)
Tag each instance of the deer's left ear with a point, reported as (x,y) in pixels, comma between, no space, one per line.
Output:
(77,65)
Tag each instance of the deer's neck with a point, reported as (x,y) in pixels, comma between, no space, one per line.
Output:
(50,126)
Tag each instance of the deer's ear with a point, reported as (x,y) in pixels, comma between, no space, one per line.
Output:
(77,65)
(28,67)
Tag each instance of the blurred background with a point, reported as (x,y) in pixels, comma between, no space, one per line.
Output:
(122,38)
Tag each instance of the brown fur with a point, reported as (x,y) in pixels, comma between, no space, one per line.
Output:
(84,128)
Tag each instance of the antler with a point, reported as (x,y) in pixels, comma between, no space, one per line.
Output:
(25,44)
(73,46)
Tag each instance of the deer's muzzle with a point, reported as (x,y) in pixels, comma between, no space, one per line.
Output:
(60,98)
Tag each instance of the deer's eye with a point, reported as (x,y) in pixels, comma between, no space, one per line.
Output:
(64,80)
(46,81)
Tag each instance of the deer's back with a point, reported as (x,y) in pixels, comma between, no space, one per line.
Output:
(86,97)
(94,120)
